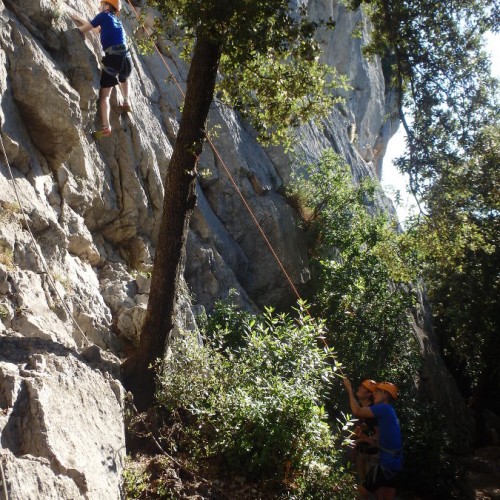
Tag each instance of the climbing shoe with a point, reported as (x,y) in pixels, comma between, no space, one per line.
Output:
(124,108)
(100,134)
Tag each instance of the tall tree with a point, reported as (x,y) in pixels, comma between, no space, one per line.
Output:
(259,48)
(459,243)
(435,57)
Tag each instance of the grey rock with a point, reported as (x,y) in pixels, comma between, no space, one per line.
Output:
(64,411)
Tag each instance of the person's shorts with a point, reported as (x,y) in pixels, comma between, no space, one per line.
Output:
(376,478)
(116,68)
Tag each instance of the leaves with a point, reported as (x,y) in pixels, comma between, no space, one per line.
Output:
(362,271)
(258,401)
(458,244)
(435,59)
(269,69)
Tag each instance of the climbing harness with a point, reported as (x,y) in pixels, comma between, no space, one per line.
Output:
(120,49)
(117,50)
(395,453)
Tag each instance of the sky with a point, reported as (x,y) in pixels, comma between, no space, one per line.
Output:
(392,180)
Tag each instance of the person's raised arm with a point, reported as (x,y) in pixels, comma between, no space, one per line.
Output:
(85,25)
(357,411)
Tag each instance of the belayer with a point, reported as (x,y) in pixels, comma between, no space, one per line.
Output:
(381,478)
(116,63)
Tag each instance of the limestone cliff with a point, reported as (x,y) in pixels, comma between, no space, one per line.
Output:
(79,221)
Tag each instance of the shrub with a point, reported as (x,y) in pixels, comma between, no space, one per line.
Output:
(256,403)
(135,480)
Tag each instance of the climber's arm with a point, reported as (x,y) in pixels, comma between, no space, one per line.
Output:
(85,25)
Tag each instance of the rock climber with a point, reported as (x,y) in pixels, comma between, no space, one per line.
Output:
(381,478)
(116,63)
(365,453)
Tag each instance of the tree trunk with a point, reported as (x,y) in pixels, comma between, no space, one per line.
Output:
(179,202)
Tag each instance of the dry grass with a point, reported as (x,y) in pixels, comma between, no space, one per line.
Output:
(6,256)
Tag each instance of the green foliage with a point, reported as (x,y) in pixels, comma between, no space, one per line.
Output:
(362,272)
(226,322)
(463,207)
(458,243)
(268,92)
(135,480)
(428,469)
(257,403)
(146,478)
(263,46)
(441,70)
(449,107)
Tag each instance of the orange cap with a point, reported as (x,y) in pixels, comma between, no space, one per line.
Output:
(115,3)
(369,384)
(388,387)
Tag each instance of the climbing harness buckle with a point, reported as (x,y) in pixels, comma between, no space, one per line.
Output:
(117,49)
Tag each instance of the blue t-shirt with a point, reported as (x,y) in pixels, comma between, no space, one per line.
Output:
(389,435)
(112,32)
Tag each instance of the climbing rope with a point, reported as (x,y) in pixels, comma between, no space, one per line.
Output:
(233,182)
(37,248)
(252,215)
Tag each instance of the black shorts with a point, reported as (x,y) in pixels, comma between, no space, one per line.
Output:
(376,478)
(115,68)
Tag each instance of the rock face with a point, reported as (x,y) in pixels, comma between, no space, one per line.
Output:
(57,407)
(79,221)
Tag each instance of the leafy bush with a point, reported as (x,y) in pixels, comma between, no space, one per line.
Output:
(135,480)
(257,405)
(429,469)
(362,272)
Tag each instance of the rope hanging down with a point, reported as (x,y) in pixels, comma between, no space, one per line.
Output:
(36,247)
(233,182)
